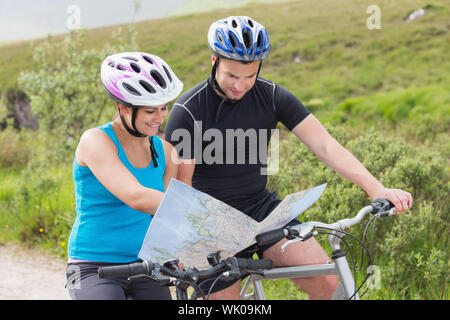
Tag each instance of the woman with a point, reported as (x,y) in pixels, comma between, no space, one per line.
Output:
(121,170)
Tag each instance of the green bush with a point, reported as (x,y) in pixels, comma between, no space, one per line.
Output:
(66,92)
(67,95)
(410,248)
(14,149)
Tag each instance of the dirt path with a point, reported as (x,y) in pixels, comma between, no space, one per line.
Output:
(30,274)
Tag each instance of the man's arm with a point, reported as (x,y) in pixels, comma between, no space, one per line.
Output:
(180,131)
(171,163)
(186,171)
(311,132)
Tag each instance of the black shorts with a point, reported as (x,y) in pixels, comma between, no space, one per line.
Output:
(258,211)
(84,283)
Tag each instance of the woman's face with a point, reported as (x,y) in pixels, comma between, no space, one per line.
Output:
(148,119)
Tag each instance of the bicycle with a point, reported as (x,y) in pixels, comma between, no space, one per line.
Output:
(258,270)
(347,285)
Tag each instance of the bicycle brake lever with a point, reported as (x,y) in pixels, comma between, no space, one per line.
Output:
(386,213)
(299,238)
(283,247)
(162,280)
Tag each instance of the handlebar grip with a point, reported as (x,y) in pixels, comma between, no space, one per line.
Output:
(381,204)
(270,236)
(125,270)
(248,264)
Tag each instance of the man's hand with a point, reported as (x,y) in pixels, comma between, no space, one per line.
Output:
(402,200)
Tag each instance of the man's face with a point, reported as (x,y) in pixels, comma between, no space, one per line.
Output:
(235,78)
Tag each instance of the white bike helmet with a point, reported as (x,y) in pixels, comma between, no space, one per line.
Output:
(138,79)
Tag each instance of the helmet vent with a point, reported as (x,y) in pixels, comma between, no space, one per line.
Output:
(247,38)
(131,58)
(219,37)
(135,67)
(148,59)
(158,78)
(259,41)
(234,23)
(130,89)
(111,64)
(120,67)
(250,23)
(147,86)
(233,40)
(167,73)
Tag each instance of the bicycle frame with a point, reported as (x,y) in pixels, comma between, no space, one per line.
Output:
(340,267)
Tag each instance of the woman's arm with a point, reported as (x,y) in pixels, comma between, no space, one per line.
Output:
(99,153)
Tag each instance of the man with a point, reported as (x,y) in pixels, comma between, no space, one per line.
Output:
(233,101)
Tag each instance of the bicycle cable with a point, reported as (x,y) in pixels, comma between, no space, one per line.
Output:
(351,255)
(374,219)
(193,285)
(364,248)
(213,284)
(371,255)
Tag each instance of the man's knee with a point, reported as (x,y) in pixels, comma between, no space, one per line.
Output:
(305,253)
(230,293)
(297,253)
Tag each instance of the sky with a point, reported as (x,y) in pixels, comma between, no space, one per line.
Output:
(28,19)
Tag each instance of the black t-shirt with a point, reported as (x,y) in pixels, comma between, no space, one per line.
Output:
(229,139)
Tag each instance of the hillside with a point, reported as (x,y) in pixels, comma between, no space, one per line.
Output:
(320,49)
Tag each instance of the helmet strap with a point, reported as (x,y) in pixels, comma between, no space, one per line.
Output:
(136,133)
(153,153)
(214,81)
(133,118)
(259,69)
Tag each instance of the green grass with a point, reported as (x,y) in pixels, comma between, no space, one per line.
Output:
(398,106)
(35,210)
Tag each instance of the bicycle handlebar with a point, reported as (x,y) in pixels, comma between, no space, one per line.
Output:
(126,270)
(235,267)
(379,207)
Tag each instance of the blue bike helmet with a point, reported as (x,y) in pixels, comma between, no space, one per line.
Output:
(239,38)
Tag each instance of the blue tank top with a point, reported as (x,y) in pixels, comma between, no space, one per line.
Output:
(105,228)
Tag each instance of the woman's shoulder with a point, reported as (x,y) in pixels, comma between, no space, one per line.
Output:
(93,142)
(94,136)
